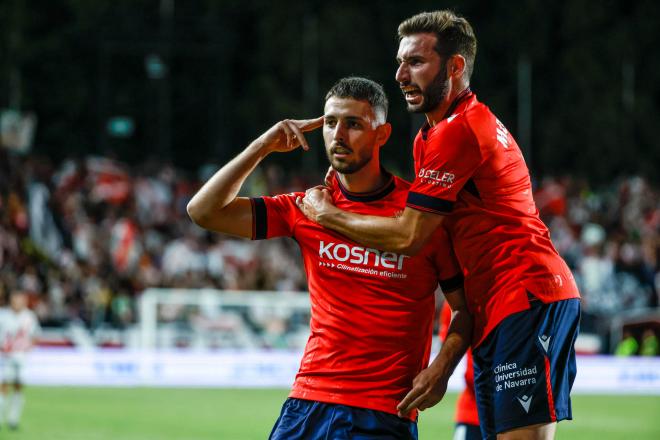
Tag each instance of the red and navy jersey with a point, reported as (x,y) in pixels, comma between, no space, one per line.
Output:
(469,167)
(466,405)
(371,311)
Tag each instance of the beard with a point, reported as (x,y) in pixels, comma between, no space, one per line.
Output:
(350,166)
(434,94)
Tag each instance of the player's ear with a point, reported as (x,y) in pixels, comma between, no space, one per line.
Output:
(456,66)
(383,133)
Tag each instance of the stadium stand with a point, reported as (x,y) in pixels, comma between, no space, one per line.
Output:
(86,236)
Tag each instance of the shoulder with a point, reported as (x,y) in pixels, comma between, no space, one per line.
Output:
(285,196)
(482,124)
(279,200)
(455,130)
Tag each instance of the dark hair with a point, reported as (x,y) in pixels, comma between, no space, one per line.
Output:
(453,32)
(361,89)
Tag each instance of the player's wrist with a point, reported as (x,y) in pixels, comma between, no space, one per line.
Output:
(260,147)
(441,369)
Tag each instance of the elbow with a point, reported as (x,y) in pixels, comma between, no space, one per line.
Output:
(410,236)
(410,246)
(196,213)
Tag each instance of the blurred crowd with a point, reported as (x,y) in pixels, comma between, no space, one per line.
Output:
(610,239)
(85,236)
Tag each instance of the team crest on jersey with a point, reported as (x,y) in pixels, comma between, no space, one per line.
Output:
(441,178)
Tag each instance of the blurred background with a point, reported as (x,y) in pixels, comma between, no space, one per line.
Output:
(112,114)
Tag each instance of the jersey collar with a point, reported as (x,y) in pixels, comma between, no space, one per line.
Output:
(372,196)
(461,98)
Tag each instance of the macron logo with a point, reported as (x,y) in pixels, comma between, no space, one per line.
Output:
(545,342)
(525,401)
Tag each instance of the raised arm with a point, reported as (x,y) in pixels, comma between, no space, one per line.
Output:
(430,385)
(216,206)
(405,234)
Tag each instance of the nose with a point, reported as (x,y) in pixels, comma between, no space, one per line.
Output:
(402,74)
(339,133)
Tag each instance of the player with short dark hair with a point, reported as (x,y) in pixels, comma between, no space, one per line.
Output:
(372,311)
(471,178)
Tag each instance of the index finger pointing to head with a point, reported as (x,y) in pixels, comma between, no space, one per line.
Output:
(297,133)
(311,124)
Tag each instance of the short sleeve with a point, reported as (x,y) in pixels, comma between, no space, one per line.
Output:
(450,276)
(445,162)
(274,216)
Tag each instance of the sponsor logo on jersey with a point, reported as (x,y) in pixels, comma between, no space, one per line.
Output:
(436,177)
(343,252)
(510,375)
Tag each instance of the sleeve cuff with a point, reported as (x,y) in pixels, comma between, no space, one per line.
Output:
(451,284)
(428,203)
(259,219)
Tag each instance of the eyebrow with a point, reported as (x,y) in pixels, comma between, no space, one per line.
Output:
(409,57)
(350,118)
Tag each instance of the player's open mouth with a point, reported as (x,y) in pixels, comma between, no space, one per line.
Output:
(413,95)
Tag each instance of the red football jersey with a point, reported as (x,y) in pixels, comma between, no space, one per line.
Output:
(466,405)
(470,167)
(371,311)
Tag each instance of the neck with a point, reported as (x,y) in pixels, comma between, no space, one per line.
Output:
(370,178)
(440,112)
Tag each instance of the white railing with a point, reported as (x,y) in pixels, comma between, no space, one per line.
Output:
(219,316)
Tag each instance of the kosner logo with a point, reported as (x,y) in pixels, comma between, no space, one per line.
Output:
(359,255)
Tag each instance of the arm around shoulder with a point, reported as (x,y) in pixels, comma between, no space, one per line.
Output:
(405,234)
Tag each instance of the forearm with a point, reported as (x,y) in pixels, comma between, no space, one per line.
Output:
(455,345)
(225,184)
(403,234)
(430,385)
(385,233)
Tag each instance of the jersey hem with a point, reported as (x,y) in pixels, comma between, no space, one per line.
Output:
(380,404)
(490,326)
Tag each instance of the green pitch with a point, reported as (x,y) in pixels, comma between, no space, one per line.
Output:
(239,414)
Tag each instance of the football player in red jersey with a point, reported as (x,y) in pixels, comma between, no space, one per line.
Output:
(372,311)
(471,178)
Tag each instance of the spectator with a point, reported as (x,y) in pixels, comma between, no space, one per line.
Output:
(124,224)
(628,346)
(649,345)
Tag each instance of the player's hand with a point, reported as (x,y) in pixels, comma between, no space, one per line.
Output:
(316,203)
(287,135)
(428,389)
